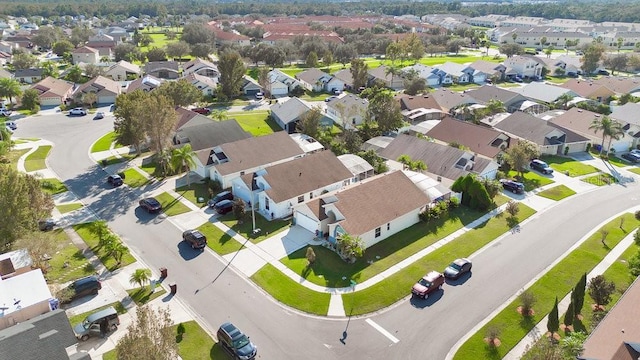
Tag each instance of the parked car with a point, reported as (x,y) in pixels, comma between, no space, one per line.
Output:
(330,98)
(195,239)
(202,110)
(225,195)
(259,96)
(5,112)
(11,125)
(223,207)
(78,111)
(457,268)
(46,225)
(517,79)
(513,186)
(150,204)
(635,151)
(631,157)
(428,284)
(99,115)
(236,343)
(603,72)
(541,166)
(90,326)
(115,180)
(89,285)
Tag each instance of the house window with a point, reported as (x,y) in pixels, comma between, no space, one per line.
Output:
(310,195)
(388,226)
(241,173)
(266,203)
(300,199)
(377,232)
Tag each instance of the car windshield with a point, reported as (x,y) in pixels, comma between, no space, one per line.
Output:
(455,266)
(424,282)
(153,202)
(241,342)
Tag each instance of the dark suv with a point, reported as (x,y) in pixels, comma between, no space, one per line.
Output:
(236,343)
(513,186)
(85,286)
(115,180)
(225,195)
(541,166)
(150,204)
(428,284)
(224,207)
(195,238)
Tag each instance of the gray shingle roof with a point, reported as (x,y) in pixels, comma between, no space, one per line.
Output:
(290,110)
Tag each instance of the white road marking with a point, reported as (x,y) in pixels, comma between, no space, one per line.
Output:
(382,331)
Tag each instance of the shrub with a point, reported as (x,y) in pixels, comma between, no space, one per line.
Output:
(454,203)
(588,147)
(35,110)
(527,300)
(513,207)
(566,150)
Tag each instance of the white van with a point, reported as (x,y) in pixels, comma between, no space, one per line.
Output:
(11,125)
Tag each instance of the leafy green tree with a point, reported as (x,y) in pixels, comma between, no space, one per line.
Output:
(344,53)
(264,81)
(414,47)
(219,115)
(31,99)
(378,163)
(39,245)
(116,249)
(578,294)
(562,100)
(518,156)
(350,246)
(384,110)
(23,61)
(181,92)
(410,164)
(49,68)
(128,52)
(510,49)
(592,54)
(61,47)
(201,50)
(158,120)
(359,71)
(149,337)
(156,54)
(74,74)
(634,264)
(239,209)
(312,59)
(609,127)
(140,277)
(351,141)
(232,70)
(553,323)
(413,84)
(394,51)
(178,49)
(182,159)
(80,35)
(128,125)
(600,290)
(309,122)
(616,62)
(197,33)
(87,99)
(9,89)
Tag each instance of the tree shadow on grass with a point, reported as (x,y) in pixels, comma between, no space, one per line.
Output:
(491,352)
(527,322)
(578,325)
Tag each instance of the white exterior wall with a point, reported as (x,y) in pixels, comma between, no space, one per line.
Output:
(285,208)
(397,225)
(241,190)
(89,58)
(334,84)
(50,101)
(278,88)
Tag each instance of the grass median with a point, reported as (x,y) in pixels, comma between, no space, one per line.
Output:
(558,281)
(36,160)
(133,178)
(569,166)
(557,193)
(289,292)
(601,179)
(219,241)
(91,239)
(170,205)
(398,285)
(65,208)
(52,186)
(104,143)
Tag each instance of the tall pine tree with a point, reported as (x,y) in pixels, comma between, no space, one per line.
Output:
(569,315)
(553,324)
(579,291)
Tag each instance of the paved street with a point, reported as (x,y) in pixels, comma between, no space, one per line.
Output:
(218,294)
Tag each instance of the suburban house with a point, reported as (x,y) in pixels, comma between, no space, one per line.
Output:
(281,84)
(450,100)
(203,134)
(355,211)
(308,144)
(348,111)
(227,37)
(118,34)
(487,70)
(453,73)
(380,74)
(511,100)
(315,80)
(29,76)
(105,44)
(53,92)
(162,69)
(105,88)
(205,84)
(359,167)
(123,70)
(428,73)
(545,94)
(627,114)
(345,76)
(563,66)
(579,121)
(85,54)
(620,85)
(145,83)
(589,89)
(523,66)
(551,139)
(250,87)
(277,188)
(417,108)
(201,67)
(478,139)
(8,47)
(288,113)
(228,161)
(4,74)
(443,161)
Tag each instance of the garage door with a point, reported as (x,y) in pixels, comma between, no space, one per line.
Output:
(306,222)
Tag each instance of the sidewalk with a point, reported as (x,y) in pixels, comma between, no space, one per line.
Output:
(33,146)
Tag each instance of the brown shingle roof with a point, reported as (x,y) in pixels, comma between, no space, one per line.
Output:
(477,138)
(56,87)
(310,76)
(101,83)
(301,176)
(258,151)
(583,88)
(619,85)
(426,101)
(85,50)
(378,201)
(578,121)
(448,99)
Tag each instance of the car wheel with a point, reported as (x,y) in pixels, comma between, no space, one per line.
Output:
(114,327)
(425,296)
(84,338)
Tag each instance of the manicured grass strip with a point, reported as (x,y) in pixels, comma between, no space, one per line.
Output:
(67,263)
(92,241)
(77,319)
(133,178)
(556,282)
(65,208)
(104,143)
(600,179)
(110,355)
(143,295)
(193,192)
(14,155)
(170,205)
(330,268)
(635,170)
(557,193)
(532,180)
(569,166)
(35,160)
(268,228)
(289,292)
(218,241)
(618,161)
(398,285)
(52,186)
(258,122)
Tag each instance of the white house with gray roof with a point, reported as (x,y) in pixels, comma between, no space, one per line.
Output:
(542,92)
(348,111)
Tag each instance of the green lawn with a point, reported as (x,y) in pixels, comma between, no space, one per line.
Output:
(77,265)
(557,193)
(116,160)
(150,166)
(569,166)
(461,87)
(52,186)
(556,79)
(557,282)
(289,292)
(600,179)
(104,143)
(36,160)
(635,170)
(618,161)
(14,155)
(133,178)
(257,122)
(397,286)
(159,41)
(268,228)
(313,96)
(65,208)
(143,295)
(92,241)
(170,205)
(219,241)
(76,319)
(193,192)
(532,180)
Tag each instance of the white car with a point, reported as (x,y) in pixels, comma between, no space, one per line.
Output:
(11,125)
(78,111)
(5,112)
(635,152)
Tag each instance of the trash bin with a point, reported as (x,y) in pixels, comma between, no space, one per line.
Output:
(174,288)
(163,273)
(104,162)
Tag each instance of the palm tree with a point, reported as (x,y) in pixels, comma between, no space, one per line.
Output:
(219,115)
(182,160)
(164,161)
(9,88)
(117,249)
(495,106)
(140,277)
(609,127)
(564,100)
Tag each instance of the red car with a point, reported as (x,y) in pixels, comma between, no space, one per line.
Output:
(202,110)
(428,284)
